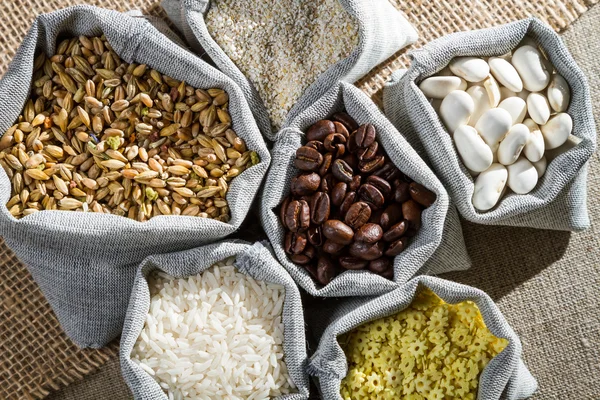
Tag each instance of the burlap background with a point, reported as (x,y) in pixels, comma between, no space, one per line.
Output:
(547,284)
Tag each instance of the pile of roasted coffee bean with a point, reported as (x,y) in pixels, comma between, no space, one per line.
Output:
(350,208)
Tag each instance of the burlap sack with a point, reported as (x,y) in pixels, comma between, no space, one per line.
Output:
(506,375)
(559,199)
(422,247)
(85,262)
(254,260)
(383,30)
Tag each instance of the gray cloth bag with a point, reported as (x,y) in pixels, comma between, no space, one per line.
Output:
(383,30)
(452,254)
(253,260)
(559,200)
(506,376)
(85,263)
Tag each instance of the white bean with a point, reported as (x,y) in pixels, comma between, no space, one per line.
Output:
(538,107)
(493,90)
(456,109)
(516,107)
(438,87)
(535,147)
(471,69)
(522,176)
(511,146)
(540,166)
(559,94)
(489,186)
(528,61)
(557,130)
(505,73)
(474,152)
(481,101)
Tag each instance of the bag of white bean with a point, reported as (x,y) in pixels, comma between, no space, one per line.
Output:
(425,337)
(555,199)
(428,251)
(212,322)
(286,54)
(88,159)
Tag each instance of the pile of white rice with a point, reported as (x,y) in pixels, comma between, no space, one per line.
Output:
(215,335)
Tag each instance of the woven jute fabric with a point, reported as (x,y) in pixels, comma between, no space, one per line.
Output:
(563,356)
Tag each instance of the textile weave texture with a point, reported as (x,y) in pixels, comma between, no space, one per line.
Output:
(549,328)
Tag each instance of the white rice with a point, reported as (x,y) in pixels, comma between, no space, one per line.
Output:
(215,335)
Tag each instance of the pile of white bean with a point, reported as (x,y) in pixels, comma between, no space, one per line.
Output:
(503,113)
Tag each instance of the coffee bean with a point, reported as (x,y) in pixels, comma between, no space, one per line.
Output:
(348,201)
(368,153)
(317,145)
(396,231)
(365,135)
(389,172)
(325,271)
(327,183)
(305,184)
(376,216)
(422,195)
(297,216)
(366,251)
(332,247)
(388,273)
(335,142)
(369,233)
(351,145)
(320,130)
(314,235)
(312,270)
(380,265)
(303,258)
(345,120)
(351,160)
(355,184)
(352,263)
(308,159)
(358,214)
(319,208)
(411,210)
(326,164)
(396,247)
(368,166)
(384,187)
(391,215)
(337,231)
(340,128)
(402,192)
(283,210)
(338,193)
(342,171)
(371,195)
(295,243)
(411,232)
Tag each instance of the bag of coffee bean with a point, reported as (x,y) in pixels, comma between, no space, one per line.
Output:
(201,316)
(558,200)
(100,116)
(287,54)
(349,207)
(491,344)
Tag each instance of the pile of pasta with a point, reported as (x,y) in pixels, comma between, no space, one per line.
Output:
(430,350)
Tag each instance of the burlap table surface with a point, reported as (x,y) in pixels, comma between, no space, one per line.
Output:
(546,283)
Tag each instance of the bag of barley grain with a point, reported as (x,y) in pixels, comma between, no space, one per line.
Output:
(429,338)
(362,235)
(286,54)
(546,193)
(110,130)
(223,320)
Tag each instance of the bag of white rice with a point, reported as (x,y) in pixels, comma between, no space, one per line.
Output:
(220,321)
